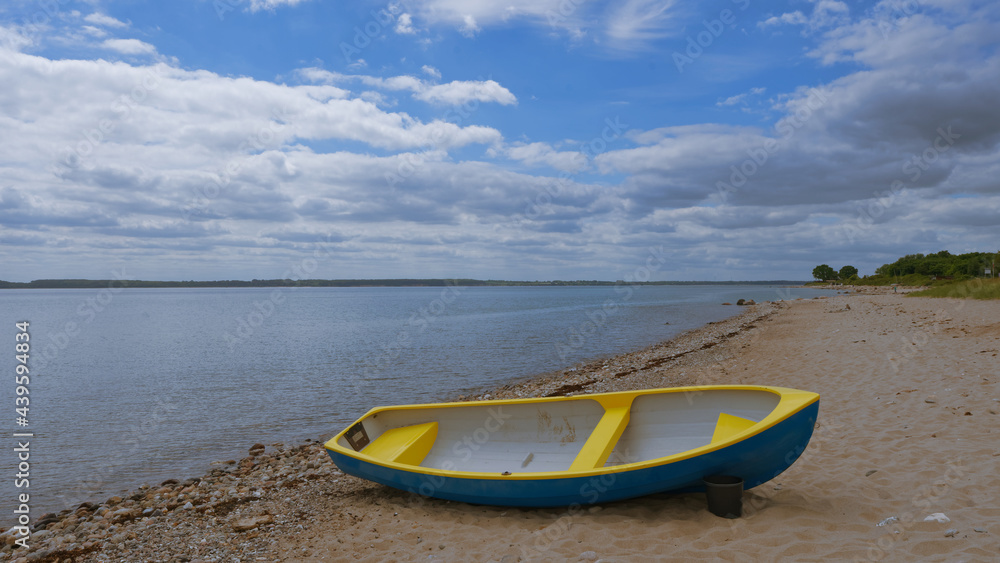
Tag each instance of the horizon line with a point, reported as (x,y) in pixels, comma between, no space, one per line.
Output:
(83,283)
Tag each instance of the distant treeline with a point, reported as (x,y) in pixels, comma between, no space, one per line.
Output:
(942,264)
(938,269)
(96,284)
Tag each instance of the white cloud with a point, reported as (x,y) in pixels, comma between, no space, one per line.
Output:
(94,31)
(826,14)
(633,24)
(741,98)
(431,71)
(377,98)
(129,46)
(105,20)
(469,26)
(166,110)
(623,26)
(314,74)
(404,24)
(11,39)
(471,16)
(453,93)
(271,5)
(459,92)
(536,154)
(790,18)
(486,12)
(829,13)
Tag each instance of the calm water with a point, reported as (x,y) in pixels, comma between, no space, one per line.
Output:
(138,385)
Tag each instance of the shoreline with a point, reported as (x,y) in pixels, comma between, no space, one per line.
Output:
(290,503)
(205,465)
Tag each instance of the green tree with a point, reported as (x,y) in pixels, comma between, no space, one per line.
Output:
(824,272)
(848,272)
(943,263)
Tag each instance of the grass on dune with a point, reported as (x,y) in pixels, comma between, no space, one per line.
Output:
(969,289)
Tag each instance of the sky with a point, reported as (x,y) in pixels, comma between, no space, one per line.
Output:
(519,140)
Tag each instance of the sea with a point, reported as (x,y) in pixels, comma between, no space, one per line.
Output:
(136,385)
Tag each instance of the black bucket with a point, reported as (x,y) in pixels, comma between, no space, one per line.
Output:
(725,495)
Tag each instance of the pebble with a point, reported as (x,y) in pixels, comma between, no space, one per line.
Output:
(887,521)
(950,533)
(235,516)
(247,524)
(588,556)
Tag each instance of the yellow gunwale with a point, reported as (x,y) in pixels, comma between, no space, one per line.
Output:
(790,402)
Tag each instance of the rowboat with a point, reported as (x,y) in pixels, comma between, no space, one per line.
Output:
(584,449)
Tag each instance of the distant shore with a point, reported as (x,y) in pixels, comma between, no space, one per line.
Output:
(401,282)
(868,289)
(907,430)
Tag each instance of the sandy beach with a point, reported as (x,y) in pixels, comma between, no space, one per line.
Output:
(909,427)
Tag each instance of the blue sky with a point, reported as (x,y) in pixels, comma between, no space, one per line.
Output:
(542,139)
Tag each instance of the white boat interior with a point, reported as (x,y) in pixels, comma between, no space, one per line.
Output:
(670,423)
(555,436)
